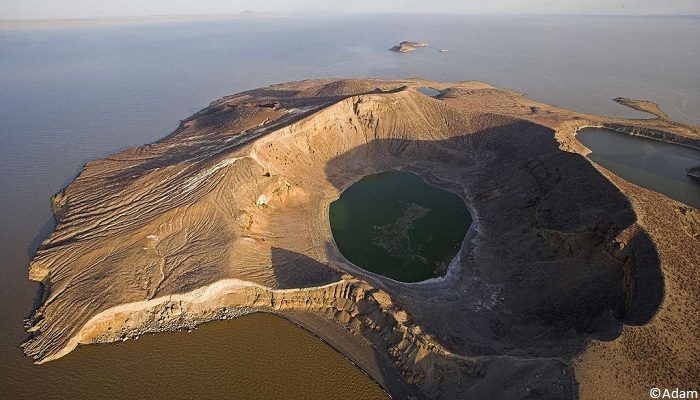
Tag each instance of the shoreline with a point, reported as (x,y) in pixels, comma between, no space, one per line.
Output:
(351,350)
(214,302)
(640,135)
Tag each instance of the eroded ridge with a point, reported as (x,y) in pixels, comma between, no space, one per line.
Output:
(568,271)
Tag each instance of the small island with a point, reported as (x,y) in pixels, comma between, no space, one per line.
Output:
(405,46)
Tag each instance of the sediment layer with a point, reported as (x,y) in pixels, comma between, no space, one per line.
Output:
(571,271)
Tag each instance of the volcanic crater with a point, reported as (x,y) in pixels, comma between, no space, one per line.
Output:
(571,283)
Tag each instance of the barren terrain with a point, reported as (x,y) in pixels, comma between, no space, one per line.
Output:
(571,283)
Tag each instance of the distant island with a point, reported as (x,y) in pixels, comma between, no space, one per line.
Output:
(569,280)
(405,46)
(252,13)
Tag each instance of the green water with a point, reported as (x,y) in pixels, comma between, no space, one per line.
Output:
(395,224)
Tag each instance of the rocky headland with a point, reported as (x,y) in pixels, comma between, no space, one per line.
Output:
(572,282)
(642,105)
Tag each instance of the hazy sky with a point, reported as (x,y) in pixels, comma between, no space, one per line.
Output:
(49,9)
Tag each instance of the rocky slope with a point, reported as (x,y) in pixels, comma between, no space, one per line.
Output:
(569,274)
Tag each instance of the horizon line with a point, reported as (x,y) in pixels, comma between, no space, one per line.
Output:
(273,13)
(97,22)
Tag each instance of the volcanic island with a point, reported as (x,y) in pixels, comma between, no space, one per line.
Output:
(407,46)
(571,282)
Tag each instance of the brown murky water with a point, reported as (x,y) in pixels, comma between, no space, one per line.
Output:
(69,96)
(259,356)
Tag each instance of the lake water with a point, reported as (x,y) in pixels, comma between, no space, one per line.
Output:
(396,225)
(428,91)
(71,95)
(649,163)
(229,367)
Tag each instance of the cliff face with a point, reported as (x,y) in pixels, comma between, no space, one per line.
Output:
(229,215)
(356,305)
